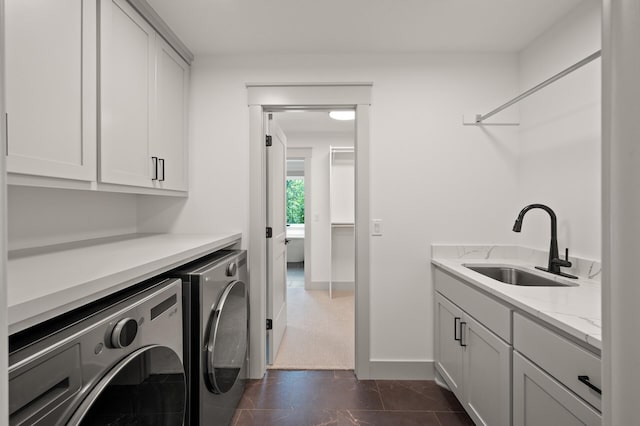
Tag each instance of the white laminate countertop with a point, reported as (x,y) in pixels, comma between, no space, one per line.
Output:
(44,283)
(574,310)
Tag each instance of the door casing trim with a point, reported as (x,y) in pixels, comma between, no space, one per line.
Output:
(266,97)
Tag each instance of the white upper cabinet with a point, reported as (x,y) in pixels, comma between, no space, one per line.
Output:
(127,95)
(51,88)
(170,142)
(143,92)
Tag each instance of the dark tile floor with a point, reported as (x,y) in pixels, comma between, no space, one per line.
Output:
(312,397)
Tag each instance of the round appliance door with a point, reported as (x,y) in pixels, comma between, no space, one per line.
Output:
(148,387)
(227,338)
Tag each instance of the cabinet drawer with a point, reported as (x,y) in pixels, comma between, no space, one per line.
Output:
(561,358)
(539,400)
(492,314)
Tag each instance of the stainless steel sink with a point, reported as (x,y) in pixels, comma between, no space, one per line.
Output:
(516,276)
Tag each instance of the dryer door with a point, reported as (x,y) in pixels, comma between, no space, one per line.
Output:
(227,338)
(147,387)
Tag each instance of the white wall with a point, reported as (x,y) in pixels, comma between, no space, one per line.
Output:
(4,363)
(319,144)
(560,135)
(44,216)
(433,180)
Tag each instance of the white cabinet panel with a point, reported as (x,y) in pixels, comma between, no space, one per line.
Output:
(170,141)
(448,350)
(494,315)
(561,358)
(475,363)
(487,379)
(127,94)
(539,400)
(51,89)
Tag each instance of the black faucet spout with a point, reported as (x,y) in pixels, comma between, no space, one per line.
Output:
(554,259)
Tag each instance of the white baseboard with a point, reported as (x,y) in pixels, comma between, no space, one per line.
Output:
(402,370)
(337,285)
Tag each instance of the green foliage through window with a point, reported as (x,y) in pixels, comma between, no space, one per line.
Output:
(295,201)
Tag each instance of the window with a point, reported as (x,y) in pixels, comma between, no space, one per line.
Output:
(295,200)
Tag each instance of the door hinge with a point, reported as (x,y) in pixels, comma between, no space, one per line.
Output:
(269,141)
(6,132)
(269,324)
(269,232)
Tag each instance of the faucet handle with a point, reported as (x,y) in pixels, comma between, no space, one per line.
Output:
(565,263)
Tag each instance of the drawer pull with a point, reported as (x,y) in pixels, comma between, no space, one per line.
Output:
(585,380)
(456,328)
(462,333)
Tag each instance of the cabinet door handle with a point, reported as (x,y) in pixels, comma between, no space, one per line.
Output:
(155,168)
(462,332)
(585,380)
(161,160)
(456,326)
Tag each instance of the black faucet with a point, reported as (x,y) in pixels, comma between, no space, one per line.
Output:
(554,258)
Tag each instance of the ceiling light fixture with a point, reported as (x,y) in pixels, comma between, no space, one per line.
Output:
(343,115)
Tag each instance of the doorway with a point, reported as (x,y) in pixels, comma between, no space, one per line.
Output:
(297,190)
(320,328)
(285,97)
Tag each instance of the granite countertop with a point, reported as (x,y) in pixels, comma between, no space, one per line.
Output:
(46,282)
(575,310)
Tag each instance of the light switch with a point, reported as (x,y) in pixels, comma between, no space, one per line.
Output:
(376,229)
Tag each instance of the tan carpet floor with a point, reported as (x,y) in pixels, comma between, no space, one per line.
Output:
(320,332)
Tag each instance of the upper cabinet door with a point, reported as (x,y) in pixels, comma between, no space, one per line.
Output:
(170,142)
(51,88)
(127,94)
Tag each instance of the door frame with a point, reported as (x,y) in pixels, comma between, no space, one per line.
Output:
(269,97)
(306,155)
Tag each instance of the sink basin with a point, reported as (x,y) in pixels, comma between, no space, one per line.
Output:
(516,276)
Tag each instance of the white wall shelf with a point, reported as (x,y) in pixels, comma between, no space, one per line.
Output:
(341,214)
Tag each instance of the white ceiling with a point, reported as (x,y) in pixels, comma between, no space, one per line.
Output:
(363,26)
(311,122)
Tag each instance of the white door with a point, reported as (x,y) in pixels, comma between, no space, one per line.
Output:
(487,375)
(127,90)
(170,142)
(449,353)
(276,251)
(51,93)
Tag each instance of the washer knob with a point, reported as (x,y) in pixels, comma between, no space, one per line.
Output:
(124,333)
(231,269)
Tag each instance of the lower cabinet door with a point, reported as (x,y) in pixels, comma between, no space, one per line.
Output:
(449,352)
(487,375)
(540,400)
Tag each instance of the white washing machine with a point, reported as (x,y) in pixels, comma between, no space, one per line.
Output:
(117,361)
(216,307)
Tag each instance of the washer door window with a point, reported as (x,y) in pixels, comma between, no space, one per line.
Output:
(146,388)
(227,339)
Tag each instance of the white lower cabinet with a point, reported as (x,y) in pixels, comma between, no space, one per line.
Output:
(475,363)
(540,400)
(506,367)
